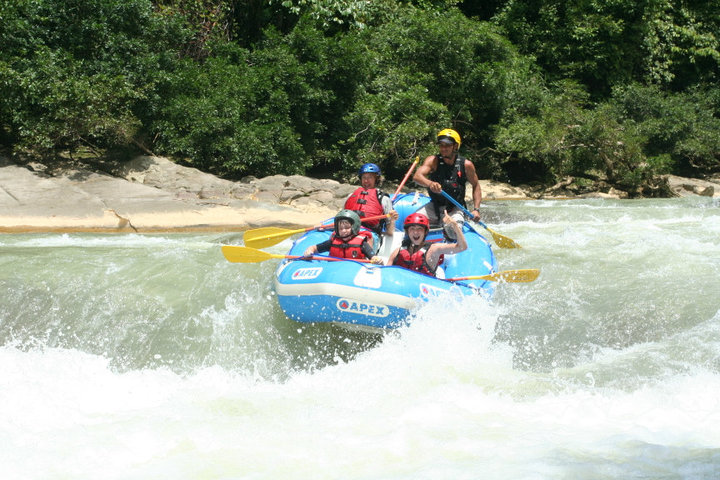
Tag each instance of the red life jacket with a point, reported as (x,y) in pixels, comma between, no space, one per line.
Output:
(416,261)
(350,249)
(366,202)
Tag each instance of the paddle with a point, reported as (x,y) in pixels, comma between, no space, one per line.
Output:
(238,254)
(412,167)
(269,236)
(501,240)
(510,276)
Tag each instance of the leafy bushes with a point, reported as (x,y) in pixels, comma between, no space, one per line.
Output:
(431,72)
(603,44)
(239,122)
(679,130)
(74,73)
(305,100)
(640,132)
(310,87)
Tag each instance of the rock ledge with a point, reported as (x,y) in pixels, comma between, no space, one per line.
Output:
(153,194)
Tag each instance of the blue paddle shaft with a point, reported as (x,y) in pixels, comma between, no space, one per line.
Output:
(457,204)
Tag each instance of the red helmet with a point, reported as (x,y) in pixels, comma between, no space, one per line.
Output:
(417,219)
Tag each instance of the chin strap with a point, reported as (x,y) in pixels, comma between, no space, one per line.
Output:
(453,157)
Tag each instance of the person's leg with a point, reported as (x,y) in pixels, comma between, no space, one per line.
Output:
(377,242)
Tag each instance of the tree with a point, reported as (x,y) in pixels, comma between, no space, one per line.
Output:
(603,43)
(431,71)
(677,129)
(74,73)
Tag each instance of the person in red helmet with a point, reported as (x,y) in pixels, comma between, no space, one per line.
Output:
(420,256)
(449,172)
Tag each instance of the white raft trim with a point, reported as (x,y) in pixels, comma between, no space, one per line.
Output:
(346,291)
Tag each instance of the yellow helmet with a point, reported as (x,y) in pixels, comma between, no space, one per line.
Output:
(449,135)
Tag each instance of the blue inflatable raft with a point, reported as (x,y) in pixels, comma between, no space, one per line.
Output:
(365,296)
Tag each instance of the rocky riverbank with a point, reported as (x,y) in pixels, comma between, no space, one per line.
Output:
(153,194)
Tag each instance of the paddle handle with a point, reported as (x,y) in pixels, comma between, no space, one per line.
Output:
(241,254)
(374,217)
(407,175)
(464,210)
(321,257)
(511,276)
(324,226)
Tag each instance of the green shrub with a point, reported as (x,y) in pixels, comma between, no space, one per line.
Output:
(75,73)
(681,128)
(433,71)
(229,118)
(567,138)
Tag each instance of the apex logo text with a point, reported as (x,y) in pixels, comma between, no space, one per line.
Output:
(353,306)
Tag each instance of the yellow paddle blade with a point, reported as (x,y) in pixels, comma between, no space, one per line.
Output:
(510,276)
(502,241)
(237,254)
(514,276)
(267,236)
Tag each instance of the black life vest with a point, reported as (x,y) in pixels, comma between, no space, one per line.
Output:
(453,179)
(367,203)
(350,249)
(416,261)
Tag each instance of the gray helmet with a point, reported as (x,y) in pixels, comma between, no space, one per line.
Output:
(352,217)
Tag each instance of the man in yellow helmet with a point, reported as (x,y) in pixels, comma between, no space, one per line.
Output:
(449,172)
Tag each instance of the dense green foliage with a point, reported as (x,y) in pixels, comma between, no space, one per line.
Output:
(75,73)
(604,43)
(612,92)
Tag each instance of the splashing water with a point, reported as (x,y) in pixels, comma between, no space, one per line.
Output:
(151,357)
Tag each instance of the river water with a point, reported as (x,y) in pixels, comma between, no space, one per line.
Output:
(150,356)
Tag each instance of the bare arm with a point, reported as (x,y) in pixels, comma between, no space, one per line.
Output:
(423,172)
(476,190)
(390,221)
(392,256)
(433,254)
